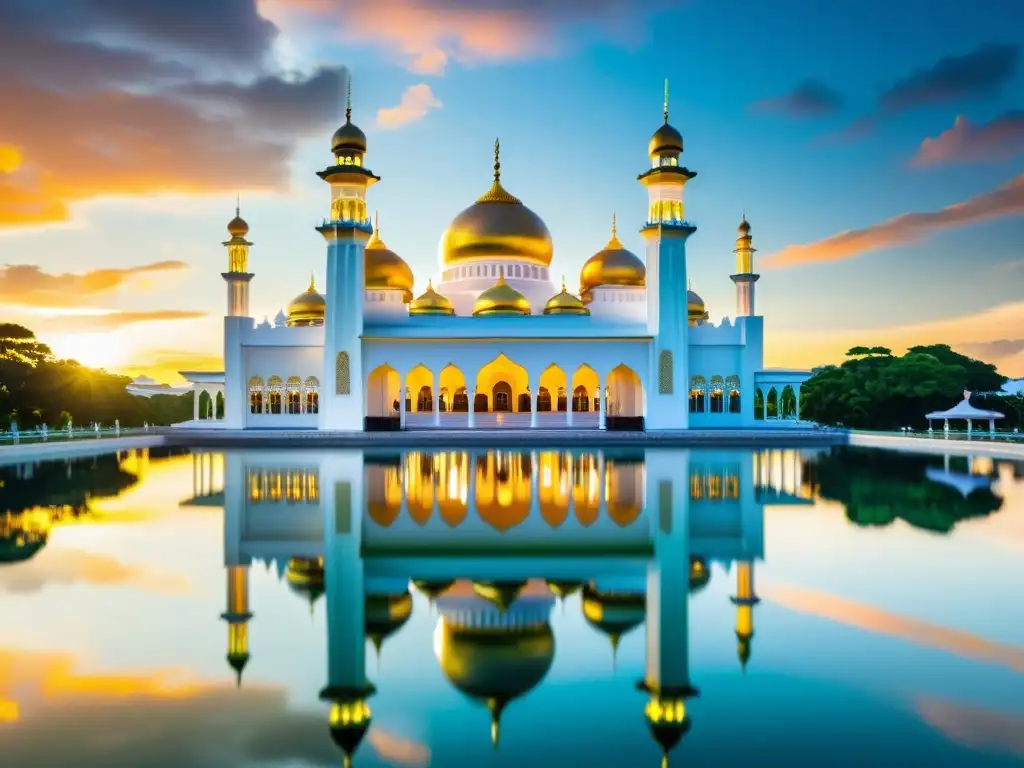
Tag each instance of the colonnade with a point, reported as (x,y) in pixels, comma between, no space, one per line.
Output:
(777,402)
(293,395)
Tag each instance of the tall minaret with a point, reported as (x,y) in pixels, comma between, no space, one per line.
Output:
(744,277)
(236,322)
(745,600)
(666,232)
(237,616)
(346,233)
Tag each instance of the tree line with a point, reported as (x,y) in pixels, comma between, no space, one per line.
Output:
(875,389)
(36,388)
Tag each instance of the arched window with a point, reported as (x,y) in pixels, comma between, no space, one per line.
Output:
(665,382)
(460,403)
(502,397)
(312,388)
(523,406)
(293,394)
(342,375)
(772,404)
(255,395)
(563,403)
(787,402)
(717,394)
(275,388)
(759,404)
(580,399)
(480,403)
(425,399)
(443,403)
(698,389)
(732,390)
(543,399)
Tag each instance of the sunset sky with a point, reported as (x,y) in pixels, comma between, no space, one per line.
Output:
(877,149)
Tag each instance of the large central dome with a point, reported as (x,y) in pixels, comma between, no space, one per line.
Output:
(496,226)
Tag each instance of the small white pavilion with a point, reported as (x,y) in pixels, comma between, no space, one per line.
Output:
(964,410)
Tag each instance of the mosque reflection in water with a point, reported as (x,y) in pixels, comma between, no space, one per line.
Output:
(493,539)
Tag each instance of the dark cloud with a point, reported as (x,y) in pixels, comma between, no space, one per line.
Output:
(965,142)
(810,98)
(977,74)
(146,97)
(989,350)
(28,285)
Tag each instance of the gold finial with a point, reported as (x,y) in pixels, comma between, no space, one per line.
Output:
(497,161)
(615,232)
(430,283)
(501,275)
(348,97)
(312,283)
(666,100)
(238,204)
(376,222)
(563,284)
(689,284)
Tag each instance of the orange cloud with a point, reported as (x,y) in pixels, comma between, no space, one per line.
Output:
(867,618)
(397,750)
(416,102)
(1007,200)
(69,566)
(808,348)
(999,139)
(163,364)
(26,285)
(160,718)
(973,727)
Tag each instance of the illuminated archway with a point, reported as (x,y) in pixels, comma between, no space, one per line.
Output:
(623,490)
(452,486)
(553,486)
(452,390)
(584,388)
(625,393)
(419,384)
(503,488)
(553,381)
(586,488)
(383,493)
(382,388)
(511,377)
(418,476)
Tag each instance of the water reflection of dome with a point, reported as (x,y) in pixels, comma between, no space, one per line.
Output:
(432,589)
(613,613)
(305,577)
(494,656)
(385,615)
(563,589)
(500,594)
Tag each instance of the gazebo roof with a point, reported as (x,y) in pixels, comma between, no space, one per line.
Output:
(964,410)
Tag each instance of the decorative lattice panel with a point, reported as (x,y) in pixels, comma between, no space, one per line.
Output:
(665,383)
(343,375)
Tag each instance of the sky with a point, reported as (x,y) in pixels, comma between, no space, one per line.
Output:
(877,149)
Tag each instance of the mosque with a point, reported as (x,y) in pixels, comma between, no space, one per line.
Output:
(494,340)
(493,540)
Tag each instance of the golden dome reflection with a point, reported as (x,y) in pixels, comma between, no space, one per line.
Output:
(384,268)
(496,226)
(612,265)
(308,308)
(501,299)
(431,303)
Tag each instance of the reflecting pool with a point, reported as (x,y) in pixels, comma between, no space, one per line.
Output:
(491,607)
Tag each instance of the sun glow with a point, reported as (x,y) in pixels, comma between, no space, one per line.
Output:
(96,350)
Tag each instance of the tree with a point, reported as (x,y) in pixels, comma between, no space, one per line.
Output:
(857,351)
(981,376)
(880,351)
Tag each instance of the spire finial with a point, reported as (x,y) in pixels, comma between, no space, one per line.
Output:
(497,161)
(312,282)
(615,232)
(563,284)
(666,100)
(501,274)
(430,283)
(238,204)
(376,222)
(689,284)
(348,98)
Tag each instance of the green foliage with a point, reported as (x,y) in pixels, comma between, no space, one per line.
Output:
(875,390)
(42,389)
(877,487)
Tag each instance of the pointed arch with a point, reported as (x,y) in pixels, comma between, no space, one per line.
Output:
(499,384)
(451,383)
(382,390)
(771,410)
(584,389)
(625,393)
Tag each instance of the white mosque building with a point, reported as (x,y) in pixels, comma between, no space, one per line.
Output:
(492,341)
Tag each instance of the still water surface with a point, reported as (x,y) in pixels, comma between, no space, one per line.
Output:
(269,608)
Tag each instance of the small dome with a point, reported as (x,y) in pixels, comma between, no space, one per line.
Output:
(349,139)
(613,613)
(612,265)
(665,141)
(431,303)
(497,226)
(385,615)
(432,589)
(308,308)
(501,299)
(384,268)
(565,303)
(744,227)
(238,227)
(305,577)
(695,308)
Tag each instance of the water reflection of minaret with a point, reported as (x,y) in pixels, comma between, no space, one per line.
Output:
(667,669)
(491,654)
(237,616)
(348,688)
(745,600)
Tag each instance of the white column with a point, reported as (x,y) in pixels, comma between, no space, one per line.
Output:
(471,420)
(195,402)
(568,406)
(796,395)
(534,393)
(602,402)
(401,405)
(436,393)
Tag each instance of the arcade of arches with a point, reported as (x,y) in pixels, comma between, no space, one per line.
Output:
(504,393)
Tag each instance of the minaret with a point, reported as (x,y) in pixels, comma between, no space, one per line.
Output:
(744,277)
(346,232)
(745,600)
(238,275)
(236,322)
(237,616)
(666,231)
(667,663)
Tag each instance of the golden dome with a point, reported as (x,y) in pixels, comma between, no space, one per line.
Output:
(384,268)
(308,308)
(431,303)
(348,139)
(565,303)
(612,265)
(501,299)
(497,226)
(238,227)
(613,613)
(744,227)
(696,312)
